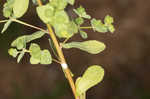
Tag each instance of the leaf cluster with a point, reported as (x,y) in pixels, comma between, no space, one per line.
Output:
(54,13)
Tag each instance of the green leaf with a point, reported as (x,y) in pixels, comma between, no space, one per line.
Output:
(7,9)
(108,23)
(71,2)
(98,26)
(34,36)
(82,13)
(20,56)
(45,57)
(58,4)
(79,21)
(83,34)
(65,30)
(35,51)
(91,46)
(72,28)
(60,17)
(61,31)
(91,77)
(108,19)
(46,13)
(20,7)
(20,42)
(63,27)
(7,12)
(6,25)
(34,60)
(111,28)
(13,52)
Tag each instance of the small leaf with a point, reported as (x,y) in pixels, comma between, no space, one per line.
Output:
(7,12)
(61,17)
(34,36)
(61,30)
(91,77)
(6,25)
(13,52)
(7,9)
(20,42)
(82,13)
(45,57)
(98,26)
(46,13)
(58,4)
(111,28)
(35,51)
(66,30)
(91,46)
(108,19)
(79,21)
(83,34)
(20,7)
(72,27)
(20,56)
(34,60)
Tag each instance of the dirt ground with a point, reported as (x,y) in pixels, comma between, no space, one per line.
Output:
(126,59)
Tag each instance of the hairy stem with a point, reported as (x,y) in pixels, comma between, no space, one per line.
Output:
(61,57)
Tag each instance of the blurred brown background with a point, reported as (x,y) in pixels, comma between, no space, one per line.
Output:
(126,60)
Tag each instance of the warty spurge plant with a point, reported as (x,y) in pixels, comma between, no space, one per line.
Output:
(54,15)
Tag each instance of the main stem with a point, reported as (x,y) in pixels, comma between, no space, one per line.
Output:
(61,57)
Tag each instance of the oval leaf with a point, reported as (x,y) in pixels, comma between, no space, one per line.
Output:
(35,51)
(61,17)
(13,52)
(79,21)
(98,26)
(91,77)
(20,56)
(82,13)
(108,19)
(45,57)
(7,10)
(111,28)
(58,4)
(91,46)
(20,42)
(83,34)
(45,13)
(20,7)
(34,61)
